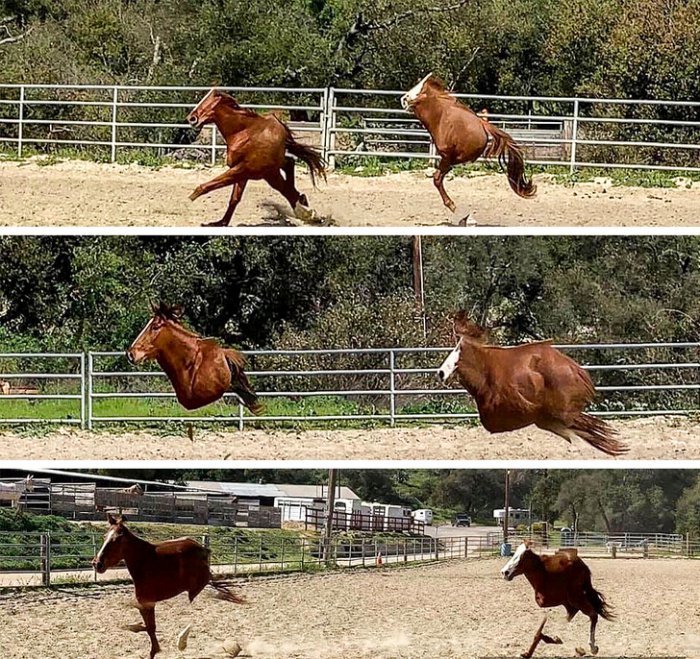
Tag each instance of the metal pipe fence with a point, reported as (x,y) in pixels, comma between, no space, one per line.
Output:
(58,557)
(381,385)
(349,125)
(57,377)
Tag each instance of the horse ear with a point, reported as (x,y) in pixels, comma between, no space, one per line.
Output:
(122,520)
(111,519)
(178,312)
(529,544)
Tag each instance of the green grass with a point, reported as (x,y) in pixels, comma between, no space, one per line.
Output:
(306,406)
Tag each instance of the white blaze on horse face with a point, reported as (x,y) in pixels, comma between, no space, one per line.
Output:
(134,355)
(195,112)
(108,538)
(509,567)
(411,95)
(450,364)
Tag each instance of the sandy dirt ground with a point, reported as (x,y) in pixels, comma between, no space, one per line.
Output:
(648,438)
(456,609)
(89,194)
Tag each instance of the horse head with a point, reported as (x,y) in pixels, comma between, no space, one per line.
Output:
(203,112)
(517,563)
(112,550)
(144,346)
(428,86)
(464,330)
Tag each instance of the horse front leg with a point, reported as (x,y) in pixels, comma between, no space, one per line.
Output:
(540,638)
(236,195)
(148,613)
(439,178)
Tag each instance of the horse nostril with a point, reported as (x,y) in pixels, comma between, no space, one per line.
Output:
(192,120)
(441,376)
(130,357)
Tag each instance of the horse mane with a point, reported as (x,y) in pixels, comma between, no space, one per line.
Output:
(463,326)
(168,312)
(231,102)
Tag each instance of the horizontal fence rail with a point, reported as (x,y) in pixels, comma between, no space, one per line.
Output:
(382,385)
(348,125)
(29,558)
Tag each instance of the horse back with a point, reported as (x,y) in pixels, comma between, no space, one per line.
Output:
(182,547)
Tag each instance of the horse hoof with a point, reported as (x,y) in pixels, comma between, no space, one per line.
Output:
(218,223)
(232,648)
(182,638)
(594,649)
(196,193)
(303,212)
(557,641)
(467,221)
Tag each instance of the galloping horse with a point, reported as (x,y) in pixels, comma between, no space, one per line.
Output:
(461,136)
(256,147)
(159,571)
(200,370)
(532,383)
(559,580)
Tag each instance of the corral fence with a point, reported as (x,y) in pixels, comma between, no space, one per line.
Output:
(315,519)
(349,126)
(385,385)
(617,544)
(60,557)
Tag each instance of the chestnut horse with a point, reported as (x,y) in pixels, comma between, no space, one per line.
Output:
(532,383)
(200,370)
(256,147)
(559,580)
(461,136)
(159,571)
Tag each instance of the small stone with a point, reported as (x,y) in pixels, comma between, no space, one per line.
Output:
(231,647)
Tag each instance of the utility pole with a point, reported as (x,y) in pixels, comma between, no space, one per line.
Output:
(330,509)
(418,291)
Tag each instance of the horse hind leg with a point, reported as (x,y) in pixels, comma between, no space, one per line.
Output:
(540,637)
(558,428)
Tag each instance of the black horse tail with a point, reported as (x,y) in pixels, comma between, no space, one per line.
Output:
(240,385)
(597,600)
(503,145)
(307,154)
(224,592)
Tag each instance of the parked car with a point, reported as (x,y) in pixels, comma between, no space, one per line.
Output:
(461,519)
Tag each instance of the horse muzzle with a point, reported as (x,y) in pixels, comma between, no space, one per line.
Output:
(442,376)
(405,102)
(99,566)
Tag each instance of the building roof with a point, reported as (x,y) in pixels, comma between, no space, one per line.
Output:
(271,490)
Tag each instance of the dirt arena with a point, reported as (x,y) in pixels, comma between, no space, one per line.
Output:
(76,193)
(652,438)
(456,609)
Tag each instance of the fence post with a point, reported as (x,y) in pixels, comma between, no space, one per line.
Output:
(574,135)
(213,144)
(89,390)
(303,552)
(331,122)
(241,422)
(45,549)
(235,554)
(206,541)
(82,390)
(466,547)
(392,389)
(115,96)
(260,554)
(324,125)
(20,126)
(282,554)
